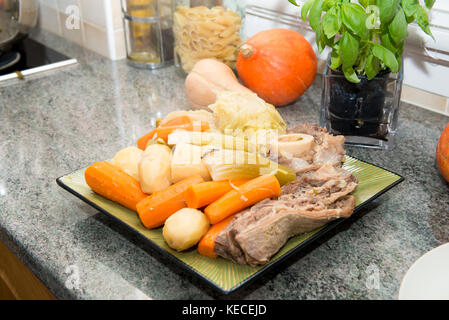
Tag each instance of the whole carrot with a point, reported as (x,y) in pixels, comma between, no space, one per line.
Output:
(164,130)
(143,141)
(206,246)
(249,193)
(156,208)
(202,194)
(114,184)
(178,123)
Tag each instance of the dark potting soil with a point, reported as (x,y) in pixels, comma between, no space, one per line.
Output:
(357,108)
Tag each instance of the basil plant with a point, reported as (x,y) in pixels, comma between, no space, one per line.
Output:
(366,36)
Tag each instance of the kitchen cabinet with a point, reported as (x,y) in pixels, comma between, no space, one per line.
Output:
(17,282)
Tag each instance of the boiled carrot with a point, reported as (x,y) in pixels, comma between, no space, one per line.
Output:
(163,131)
(202,194)
(206,246)
(178,123)
(114,184)
(156,208)
(249,193)
(143,141)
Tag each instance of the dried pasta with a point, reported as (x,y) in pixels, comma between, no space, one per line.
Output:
(202,32)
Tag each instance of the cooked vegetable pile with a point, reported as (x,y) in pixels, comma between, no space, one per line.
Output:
(197,171)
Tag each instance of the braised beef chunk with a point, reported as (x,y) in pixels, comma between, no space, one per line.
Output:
(324,186)
(320,194)
(327,149)
(257,233)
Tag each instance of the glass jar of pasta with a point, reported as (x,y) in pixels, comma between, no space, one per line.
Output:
(207,29)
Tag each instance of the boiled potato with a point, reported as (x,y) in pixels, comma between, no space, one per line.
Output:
(128,160)
(185,228)
(187,162)
(155,168)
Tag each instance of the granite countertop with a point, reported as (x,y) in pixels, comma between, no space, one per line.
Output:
(64,120)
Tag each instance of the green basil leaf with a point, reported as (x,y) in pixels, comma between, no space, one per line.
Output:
(349,50)
(372,66)
(350,75)
(398,26)
(410,19)
(410,7)
(331,22)
(360,65)
(429,3)
(335,58)
(423,20)
(329,4)
(400,48)
(354,18)
(320,39)
(323,41)
(306,8)
(315,14)
(386,56)
(293,2)
(364,3)
(388,43)
(387,9)
(367,3)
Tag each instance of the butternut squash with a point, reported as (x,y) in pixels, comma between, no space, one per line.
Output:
(208,77)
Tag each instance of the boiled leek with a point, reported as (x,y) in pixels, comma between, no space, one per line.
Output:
(233,165)
(221,141)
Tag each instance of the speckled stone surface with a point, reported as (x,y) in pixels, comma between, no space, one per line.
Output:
(64,120)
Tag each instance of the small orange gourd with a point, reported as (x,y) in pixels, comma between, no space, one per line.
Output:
(442,153)
(277,64)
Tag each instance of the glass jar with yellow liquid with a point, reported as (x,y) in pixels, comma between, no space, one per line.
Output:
(148,32)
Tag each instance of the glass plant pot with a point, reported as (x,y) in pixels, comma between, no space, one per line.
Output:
(366,113)
(207,29)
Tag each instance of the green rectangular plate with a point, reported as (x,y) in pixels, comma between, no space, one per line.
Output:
(222,274)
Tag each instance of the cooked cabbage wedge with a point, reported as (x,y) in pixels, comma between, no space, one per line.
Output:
(243,114)
(231,164)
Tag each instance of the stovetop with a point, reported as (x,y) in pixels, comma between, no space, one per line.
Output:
(28,54)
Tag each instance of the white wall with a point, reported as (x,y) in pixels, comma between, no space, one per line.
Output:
(94,24)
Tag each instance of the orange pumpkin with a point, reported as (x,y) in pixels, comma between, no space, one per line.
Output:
(277,64)
(442,153)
